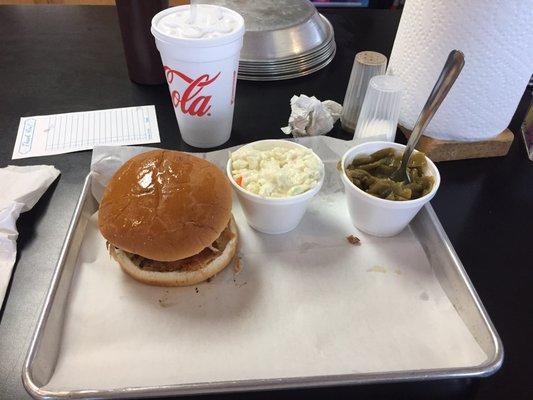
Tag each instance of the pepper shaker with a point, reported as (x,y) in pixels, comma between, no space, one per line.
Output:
(367,64)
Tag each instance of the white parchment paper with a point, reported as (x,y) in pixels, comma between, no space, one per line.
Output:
(306,303)
(22,189)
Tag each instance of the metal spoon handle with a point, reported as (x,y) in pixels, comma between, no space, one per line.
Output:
(450,72)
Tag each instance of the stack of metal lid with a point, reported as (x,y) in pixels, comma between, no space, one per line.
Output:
(283,39)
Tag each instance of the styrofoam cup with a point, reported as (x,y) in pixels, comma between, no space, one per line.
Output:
(202,77)
(380,217)
(273,215)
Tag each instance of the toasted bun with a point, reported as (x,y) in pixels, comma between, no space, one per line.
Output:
(165,205)
(179,278)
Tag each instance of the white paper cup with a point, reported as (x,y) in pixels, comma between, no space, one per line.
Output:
(380,217)
(202,77)
(273,215)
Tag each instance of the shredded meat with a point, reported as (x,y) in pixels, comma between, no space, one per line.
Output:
(353,239)
(237,268)
(192,263)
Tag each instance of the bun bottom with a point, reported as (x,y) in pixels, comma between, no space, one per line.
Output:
(179,278)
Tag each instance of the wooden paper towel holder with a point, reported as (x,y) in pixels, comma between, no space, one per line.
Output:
(446,150)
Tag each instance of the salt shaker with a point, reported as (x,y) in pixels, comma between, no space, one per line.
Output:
(379,114)
(366,65)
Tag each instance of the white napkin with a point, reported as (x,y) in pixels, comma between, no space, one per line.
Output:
(311,117)
(22,188)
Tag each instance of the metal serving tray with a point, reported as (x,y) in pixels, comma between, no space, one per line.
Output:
(44,349)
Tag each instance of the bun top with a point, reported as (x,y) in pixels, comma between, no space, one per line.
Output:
(165,205)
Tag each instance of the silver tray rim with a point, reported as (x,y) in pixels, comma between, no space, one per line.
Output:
(291,75)
(315,59)
(487,368)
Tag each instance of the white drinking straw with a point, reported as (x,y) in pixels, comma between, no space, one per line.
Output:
(194,12)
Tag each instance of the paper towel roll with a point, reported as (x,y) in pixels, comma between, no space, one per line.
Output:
(497,40)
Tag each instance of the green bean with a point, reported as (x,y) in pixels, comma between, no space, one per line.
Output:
(372,173)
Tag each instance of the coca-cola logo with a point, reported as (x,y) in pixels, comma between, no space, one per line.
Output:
(191,101)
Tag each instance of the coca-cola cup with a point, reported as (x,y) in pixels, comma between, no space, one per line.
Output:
(200,47)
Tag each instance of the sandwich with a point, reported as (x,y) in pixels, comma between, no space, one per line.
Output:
(166,216)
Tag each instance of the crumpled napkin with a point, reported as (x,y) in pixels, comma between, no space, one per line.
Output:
(311,117)
(22,188)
